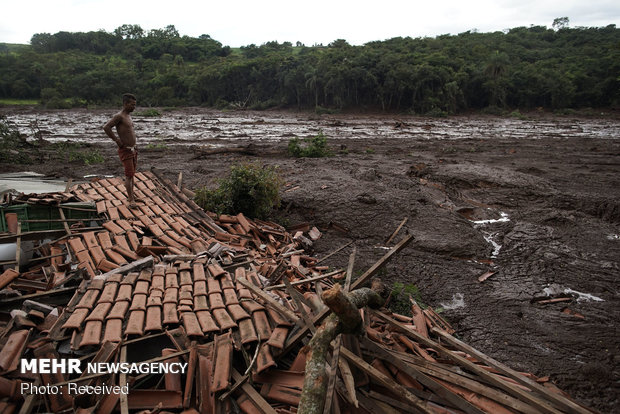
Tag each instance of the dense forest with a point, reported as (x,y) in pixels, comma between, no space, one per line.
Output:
(523,67)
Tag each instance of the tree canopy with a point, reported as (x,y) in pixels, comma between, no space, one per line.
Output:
(523,67)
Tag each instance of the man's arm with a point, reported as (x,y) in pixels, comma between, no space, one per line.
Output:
(116,119)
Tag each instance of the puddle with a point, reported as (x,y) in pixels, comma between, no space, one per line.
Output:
(503,219)
(496,246)
(458,301)
(556,290)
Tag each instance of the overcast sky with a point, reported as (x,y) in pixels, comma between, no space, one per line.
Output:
(242,22)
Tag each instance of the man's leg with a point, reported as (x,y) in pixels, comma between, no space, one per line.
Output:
(129,188)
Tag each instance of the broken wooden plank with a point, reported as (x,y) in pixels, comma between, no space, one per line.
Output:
(290,315)
(400,226)
(558,400)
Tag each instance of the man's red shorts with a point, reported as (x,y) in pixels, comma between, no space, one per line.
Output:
(129,159)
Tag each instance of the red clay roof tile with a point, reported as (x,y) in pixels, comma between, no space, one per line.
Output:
(76,318)
(119,310)
(200,303)
(153,319)
(185,278)
(124,292)
(135,323)
(104,240)
(92,333)
(113,330)
(237,312)
(191,325)
(170,314)
(115,257)
(206,321)
(109,292)
(199,272)
(7,277)
(158,283)
(247,331)
(13,349)
(200,288)
(251,305)
(171,295)
(278,337)
(223,357)
(142,287)
(223,319)
(230,297)
(89,299)
(138,302)
(126,253)
(100,312)
(97,254)
(76,244)
(113,227)
(213,285)
(216,270)
(262,324)
(264,360)
(216,301)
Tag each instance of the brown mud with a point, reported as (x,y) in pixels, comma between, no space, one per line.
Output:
(537,201)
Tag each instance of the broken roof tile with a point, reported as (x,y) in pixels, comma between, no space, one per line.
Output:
(12,350)
(264,360)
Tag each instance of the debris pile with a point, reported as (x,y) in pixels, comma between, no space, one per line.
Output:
(232,303)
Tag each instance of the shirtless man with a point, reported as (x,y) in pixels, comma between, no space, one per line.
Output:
(126,141)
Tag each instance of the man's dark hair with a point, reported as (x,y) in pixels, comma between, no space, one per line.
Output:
(128,97)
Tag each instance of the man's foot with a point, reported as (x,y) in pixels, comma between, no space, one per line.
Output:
(133,204)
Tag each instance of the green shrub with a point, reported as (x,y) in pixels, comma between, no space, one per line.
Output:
(315,147)
(400,297)
(152,112)
(250,189)
(87,157)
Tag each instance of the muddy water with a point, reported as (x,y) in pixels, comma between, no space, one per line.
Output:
(204,125)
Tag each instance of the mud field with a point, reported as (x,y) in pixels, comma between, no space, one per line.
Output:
(536,201)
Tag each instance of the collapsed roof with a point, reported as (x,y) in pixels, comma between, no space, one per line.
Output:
(235,299)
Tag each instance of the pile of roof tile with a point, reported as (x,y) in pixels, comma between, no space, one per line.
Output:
(236,300)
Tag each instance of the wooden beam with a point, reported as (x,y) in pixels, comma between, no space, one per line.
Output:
(558,399)
(402,223)
(418,404)
(304,281)
(429,383)
(256,398)
(288,314)
(510,388)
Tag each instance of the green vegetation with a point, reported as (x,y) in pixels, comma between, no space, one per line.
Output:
(523,67)
(13,147)
(315,147)
(151,112)
(400,294)
(250,189)
(18,102)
